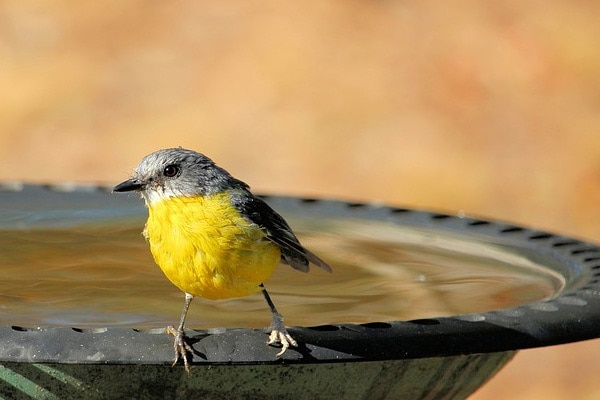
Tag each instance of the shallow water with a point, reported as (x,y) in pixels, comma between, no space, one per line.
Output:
(102,274)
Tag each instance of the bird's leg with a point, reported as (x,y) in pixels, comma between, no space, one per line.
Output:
(181,347)
(279,333)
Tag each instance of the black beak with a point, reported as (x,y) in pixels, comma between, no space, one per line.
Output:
(128,186)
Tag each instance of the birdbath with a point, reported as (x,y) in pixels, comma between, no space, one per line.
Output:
(420,304)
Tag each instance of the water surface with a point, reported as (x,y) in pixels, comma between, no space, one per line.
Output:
(102,274)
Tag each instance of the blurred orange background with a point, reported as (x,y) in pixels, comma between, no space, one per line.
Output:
(491,108)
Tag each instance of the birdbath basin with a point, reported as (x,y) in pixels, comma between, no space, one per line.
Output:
(420,304)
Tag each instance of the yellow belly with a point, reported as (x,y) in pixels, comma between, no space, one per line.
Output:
(207,249)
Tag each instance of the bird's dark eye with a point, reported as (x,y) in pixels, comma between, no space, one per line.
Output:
(171,170)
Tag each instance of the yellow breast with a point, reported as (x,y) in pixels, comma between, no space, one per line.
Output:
(207,249)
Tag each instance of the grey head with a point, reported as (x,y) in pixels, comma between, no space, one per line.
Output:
(178,172)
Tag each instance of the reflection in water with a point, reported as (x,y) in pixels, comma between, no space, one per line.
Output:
(102,275)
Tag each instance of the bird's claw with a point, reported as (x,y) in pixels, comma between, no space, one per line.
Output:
(280,335)
(182,348)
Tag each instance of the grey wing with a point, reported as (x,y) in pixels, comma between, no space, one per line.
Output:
(279,232)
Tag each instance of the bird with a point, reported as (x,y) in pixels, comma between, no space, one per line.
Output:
(212,237)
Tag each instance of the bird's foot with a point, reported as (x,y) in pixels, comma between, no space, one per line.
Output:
(182,348)
(279,334)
